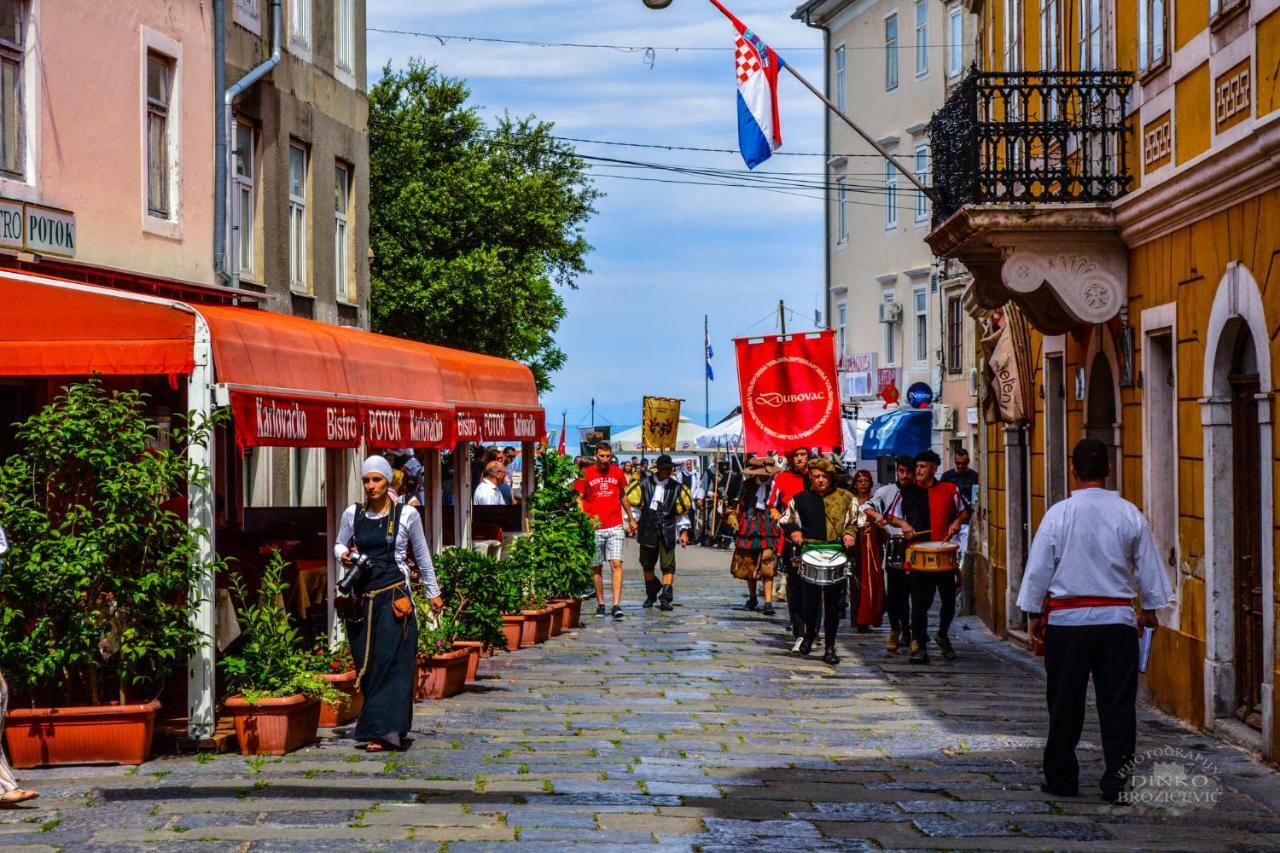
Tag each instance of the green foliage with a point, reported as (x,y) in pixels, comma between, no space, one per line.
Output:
(472,229)
(557,552)
(436,633)
(95,597)
(326,660)
(268,660)
(471,588)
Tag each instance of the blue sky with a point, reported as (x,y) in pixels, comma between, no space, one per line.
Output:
(664,254)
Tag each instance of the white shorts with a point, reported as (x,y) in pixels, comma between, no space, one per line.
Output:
(609,542)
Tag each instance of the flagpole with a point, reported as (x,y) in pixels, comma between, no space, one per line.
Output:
(706,379)
(876,145)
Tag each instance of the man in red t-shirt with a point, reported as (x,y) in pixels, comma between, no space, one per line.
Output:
(602,494)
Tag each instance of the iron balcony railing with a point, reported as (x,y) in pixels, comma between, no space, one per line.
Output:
(1031,137)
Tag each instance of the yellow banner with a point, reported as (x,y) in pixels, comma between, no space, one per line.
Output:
(661,420)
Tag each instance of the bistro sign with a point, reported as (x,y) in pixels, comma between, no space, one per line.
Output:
(31,227)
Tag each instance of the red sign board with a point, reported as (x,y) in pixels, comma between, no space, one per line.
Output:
(790,396)
(280,420)
(477,424)
(419,427)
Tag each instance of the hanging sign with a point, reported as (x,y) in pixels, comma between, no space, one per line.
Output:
(280,420)
(789,391)
(479,424)
(416,427)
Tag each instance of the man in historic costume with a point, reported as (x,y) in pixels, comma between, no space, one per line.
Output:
(821,514)
(755,555)
(897,602)
(380,620)
(663,503)
(934,512)
(1091,556)
(786,486)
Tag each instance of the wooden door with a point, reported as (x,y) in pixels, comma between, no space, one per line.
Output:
(1246,500)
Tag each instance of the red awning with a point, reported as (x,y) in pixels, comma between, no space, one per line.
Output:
(292,382)
(73,330)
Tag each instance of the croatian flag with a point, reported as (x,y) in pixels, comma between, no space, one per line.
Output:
(710,376)
(756,65)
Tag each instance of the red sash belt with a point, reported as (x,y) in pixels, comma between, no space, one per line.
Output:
(1071,602)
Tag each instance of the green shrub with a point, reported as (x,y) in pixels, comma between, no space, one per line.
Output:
(471,586)
(559,547)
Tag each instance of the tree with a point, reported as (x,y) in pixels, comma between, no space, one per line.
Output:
(473,230)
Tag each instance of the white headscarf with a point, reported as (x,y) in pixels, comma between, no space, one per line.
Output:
(376,464)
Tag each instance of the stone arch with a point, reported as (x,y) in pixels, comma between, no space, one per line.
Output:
(1102,346)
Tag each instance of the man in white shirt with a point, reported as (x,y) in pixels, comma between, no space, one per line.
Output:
(1092,555)
(488,490)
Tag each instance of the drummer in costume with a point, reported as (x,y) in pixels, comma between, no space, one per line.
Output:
(664,503)
(821,514)
(1092,555)
(381,624)
(868,603)
(934,511)
(897,602)
(755,554)
(786,486)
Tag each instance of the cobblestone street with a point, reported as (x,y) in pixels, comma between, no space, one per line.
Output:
(691,730)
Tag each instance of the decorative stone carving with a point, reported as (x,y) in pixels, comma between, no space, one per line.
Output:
(1085,275)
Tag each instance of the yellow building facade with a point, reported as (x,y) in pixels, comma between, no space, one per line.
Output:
(1125,202)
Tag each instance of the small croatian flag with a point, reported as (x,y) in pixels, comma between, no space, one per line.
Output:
(756,66)
(710,376)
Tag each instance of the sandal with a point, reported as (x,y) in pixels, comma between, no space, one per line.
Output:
(17,795)
(375,746)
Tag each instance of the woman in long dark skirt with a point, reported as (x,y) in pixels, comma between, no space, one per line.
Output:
(381,624)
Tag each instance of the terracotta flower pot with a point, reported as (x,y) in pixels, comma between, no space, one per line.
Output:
(573,613)
(536,628)
(274,726)
(512,628)
(474,648)
(92,734)
(557,617)
(333,715)
(441,676)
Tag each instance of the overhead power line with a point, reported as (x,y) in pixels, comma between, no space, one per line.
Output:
(706,150)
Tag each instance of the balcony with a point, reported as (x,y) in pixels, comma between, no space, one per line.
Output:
(1026,166)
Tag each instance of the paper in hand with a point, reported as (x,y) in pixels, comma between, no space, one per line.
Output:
(1144,648)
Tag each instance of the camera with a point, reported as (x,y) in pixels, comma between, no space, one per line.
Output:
(359,563)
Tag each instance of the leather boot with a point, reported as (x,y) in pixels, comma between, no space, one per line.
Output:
(651,588)
(665,596)
(831,657)
(891,642)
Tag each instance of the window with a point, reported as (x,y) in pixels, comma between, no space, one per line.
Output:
(955,42)
(920,301)
(1218,7)
(13,31)
(298,278)
(1013,35)
(1091,35)
(243,206)
(922,175)
(955,335)
(890,335)
(840,77)
(247,14)
(1160,416)
(300,24)
(891,52)
(922,37)
(344,282)
(1050,36)
(344,29)
(842,318)
(842,210)
(1055,426)
(890,197)
(159,90)
(1153,29)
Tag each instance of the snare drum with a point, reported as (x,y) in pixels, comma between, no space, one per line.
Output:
(895,553)
(823,565)
(933,557)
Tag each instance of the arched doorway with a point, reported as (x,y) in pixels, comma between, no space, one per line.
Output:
(1101,418)
(1246,460)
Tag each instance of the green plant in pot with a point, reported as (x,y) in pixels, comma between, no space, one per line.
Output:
(277,689)
(473,594)
(558,549)
(95,593)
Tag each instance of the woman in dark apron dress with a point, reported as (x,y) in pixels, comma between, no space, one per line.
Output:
(381,624)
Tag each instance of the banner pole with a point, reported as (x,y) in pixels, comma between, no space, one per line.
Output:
(706,379)
(929,194)
(782,315)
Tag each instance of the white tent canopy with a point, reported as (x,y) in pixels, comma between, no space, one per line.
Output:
(687,439)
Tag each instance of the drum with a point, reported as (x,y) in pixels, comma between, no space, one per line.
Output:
(823,565)
(895,553)
(933,557)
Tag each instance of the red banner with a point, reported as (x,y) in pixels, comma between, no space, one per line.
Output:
(478,424)
(417,427)
(280,420)
(790,396)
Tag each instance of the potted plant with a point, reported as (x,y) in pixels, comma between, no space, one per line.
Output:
(335,666)
(558,549)
(442,668)
(96,586)
(276,692)
(469,582)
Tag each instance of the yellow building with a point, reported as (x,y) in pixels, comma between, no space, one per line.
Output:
(1112,179)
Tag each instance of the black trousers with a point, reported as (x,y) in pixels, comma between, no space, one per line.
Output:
(795,602)
(897,602)
(1071,654)
(923,587)
(823,602)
